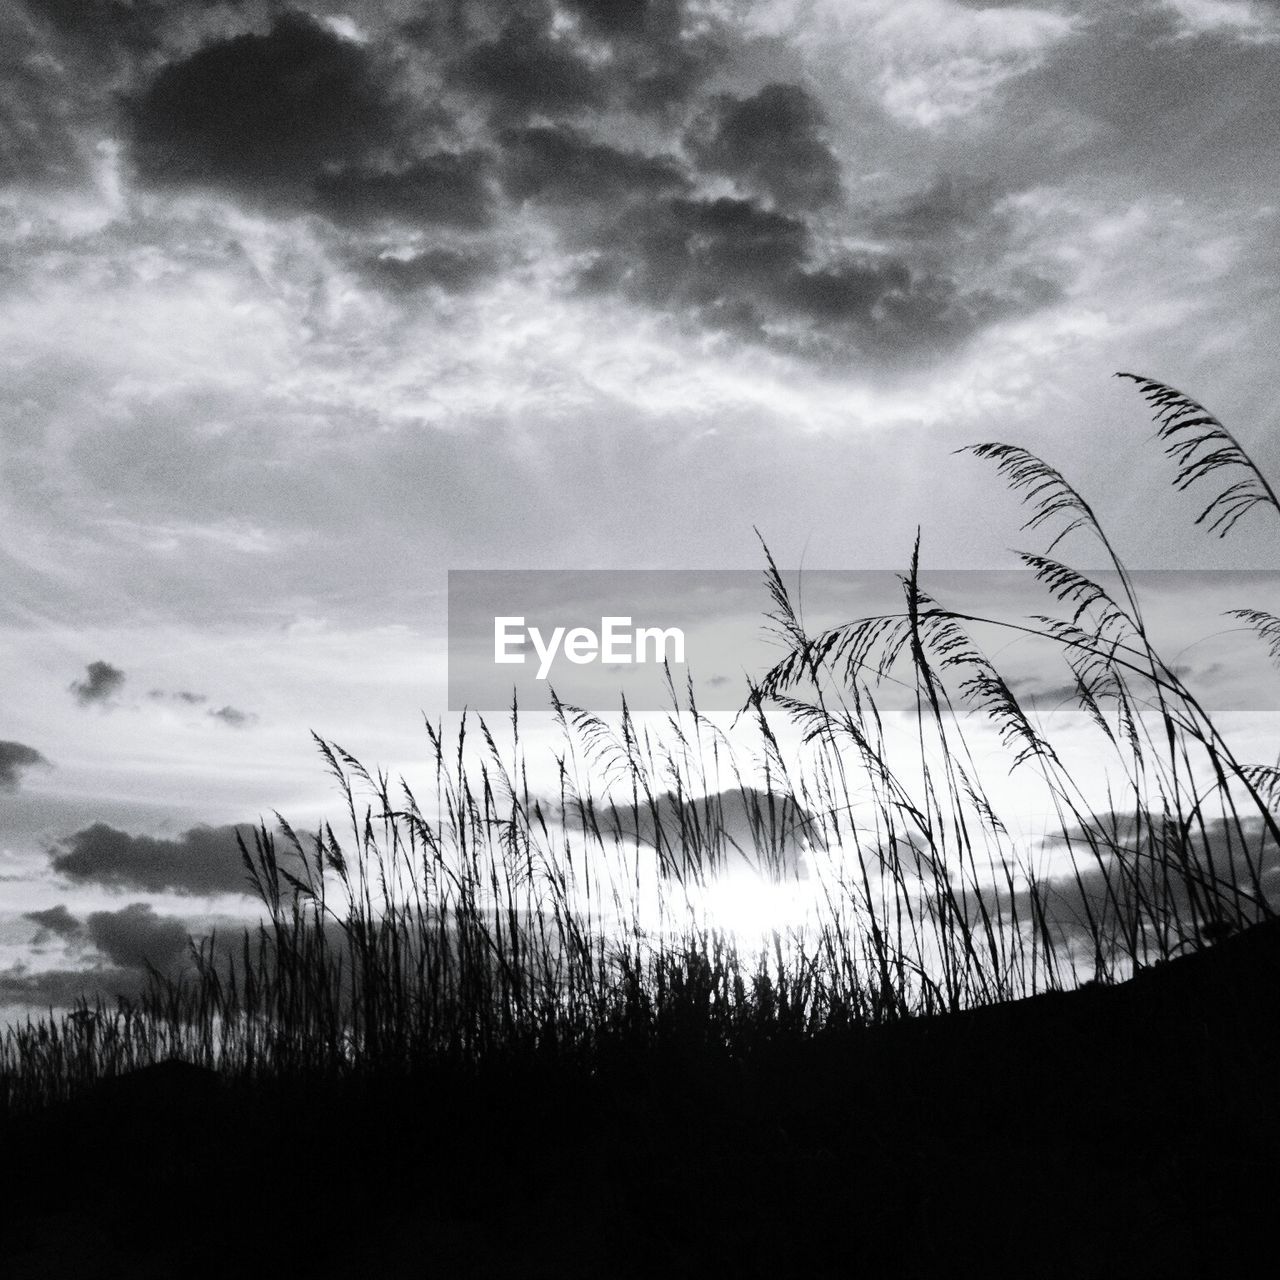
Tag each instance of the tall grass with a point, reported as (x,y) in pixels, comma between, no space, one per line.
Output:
(471,917)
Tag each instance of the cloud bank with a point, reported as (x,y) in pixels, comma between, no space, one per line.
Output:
(202,861)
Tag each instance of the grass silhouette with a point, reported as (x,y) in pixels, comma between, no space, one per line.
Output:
(479,948)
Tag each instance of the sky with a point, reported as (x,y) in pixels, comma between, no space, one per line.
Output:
(302,307)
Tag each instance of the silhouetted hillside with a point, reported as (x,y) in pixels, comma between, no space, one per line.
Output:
(1114,1131)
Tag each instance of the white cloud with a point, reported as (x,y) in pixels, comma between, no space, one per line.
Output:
(1244,19)
(935,62)
(187,537)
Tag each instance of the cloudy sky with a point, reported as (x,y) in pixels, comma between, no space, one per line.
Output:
(302,307)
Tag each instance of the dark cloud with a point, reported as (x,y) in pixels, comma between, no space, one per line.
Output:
(1111,888)
(203,860)
(446,189)
(865,289)
(449,269)
(128,942)
(178,695)
(266,113)
(39,143)
(949,206)
(303,117)
(560,164)
(1032,692)
(886,307)
(624,17)
(15,759)
(1156,102)
(386,137)
(729,831)
(701,251)
(300,115)
(521,60)
(526,70)
(55,922)
(234,717)
(736,267)
(98,25)
(63,988)
(135,937)
(772,144)
(229,715)
(101,683)
(660,59)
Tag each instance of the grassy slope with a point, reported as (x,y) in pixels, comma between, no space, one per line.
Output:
(1131,1130)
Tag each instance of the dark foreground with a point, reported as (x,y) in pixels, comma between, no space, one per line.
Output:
(1124,1132)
